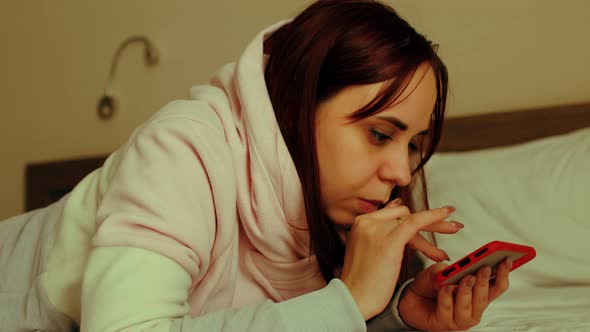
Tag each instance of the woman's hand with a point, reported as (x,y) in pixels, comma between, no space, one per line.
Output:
(427,307)
(375,249)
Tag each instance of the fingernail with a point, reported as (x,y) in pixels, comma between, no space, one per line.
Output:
(508,263)
(470,281)
(447,258)
(487,271)
(395,202)
(450,209)
(458,224)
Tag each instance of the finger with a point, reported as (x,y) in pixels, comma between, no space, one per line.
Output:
(463,305)
(425,284)
(481,293)
(444,307)
(390,213)
(395,202)
(444,227)
(418,242)
(417,221)
(501,283)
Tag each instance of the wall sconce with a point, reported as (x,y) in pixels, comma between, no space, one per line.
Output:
(107,104)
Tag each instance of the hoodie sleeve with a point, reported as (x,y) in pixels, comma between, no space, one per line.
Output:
(160,195)
(156,224)
(133,289)
(390,319)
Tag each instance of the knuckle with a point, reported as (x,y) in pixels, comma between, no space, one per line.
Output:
(362,223)
(405,223)
(360,219)
(412,244)
(405,210)
(357,221)
(482,301)
(452,326)
(464,325)
(446,306)
(442,213)
(504,287)
(360,226)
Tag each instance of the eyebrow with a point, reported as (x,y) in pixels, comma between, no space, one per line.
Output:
(398,123)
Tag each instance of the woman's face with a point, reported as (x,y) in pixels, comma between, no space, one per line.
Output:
(367,159)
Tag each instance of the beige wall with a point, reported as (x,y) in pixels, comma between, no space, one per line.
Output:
(508,54)
(55,58)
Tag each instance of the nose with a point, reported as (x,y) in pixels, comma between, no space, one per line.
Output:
(395,168)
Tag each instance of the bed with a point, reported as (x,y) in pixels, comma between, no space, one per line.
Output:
(518,176)
(522,177)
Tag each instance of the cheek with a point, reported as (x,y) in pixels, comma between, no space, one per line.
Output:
(344,167)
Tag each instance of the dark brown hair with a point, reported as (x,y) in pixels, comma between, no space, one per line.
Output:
(331,45)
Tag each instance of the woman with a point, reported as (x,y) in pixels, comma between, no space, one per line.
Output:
(278,198)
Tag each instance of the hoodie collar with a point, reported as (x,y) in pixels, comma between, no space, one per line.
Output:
(269,192)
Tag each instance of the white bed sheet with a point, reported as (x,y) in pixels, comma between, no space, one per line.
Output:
(556,309)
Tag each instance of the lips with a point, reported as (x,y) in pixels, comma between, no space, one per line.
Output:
(368,205)
(373,201)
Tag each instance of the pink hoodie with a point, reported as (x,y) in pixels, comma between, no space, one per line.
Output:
(246,163)
(213,187)
(193,225)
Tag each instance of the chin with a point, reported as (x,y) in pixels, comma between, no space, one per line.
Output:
(341,219)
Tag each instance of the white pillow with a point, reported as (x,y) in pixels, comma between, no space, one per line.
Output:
(535,193)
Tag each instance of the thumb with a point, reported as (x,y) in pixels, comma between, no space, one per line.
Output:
(425,283)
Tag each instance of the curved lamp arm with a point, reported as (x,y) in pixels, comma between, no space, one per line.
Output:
(106,104)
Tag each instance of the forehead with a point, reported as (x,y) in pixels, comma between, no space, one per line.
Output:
(414,106)
(416,103)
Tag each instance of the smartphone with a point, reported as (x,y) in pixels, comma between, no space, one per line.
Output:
(491,254)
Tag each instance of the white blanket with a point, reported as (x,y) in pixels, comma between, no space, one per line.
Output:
(539,309)
(536,194)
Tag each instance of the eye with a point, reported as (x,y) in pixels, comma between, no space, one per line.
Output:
(379,136)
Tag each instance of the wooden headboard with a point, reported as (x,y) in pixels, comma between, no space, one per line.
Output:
(513,127)
(47,182)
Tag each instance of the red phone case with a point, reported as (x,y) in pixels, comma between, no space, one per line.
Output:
(526,254)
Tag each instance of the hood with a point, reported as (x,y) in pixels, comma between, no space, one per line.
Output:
(269,192)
